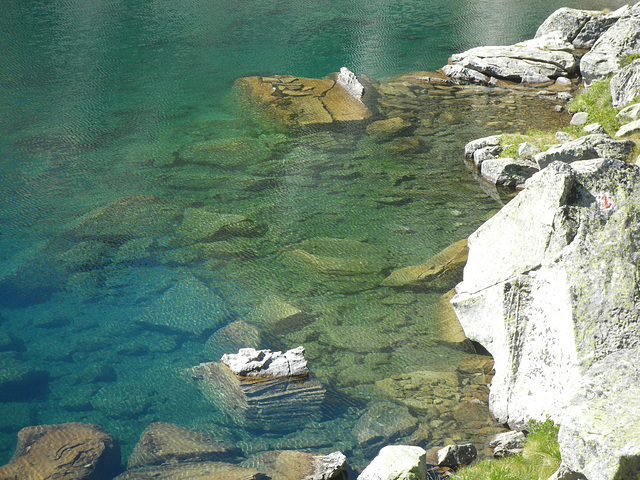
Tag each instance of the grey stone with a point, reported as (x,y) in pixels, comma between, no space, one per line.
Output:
(564,96)
(472,146)
(485,153)
(507,443)
(628,128)
(625,85)
(549,41)
(460,73)
(457,455)
(599,437)
(594,128)
(567,22)
(249,362)
(550,285)
(563,137)
(563,81)
(397,462)
(516,62)
(595,27)
(632,112)
(620,40)
(586,148)
(526,150)
(579,118)
(507,172)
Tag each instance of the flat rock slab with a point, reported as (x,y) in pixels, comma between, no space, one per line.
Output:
(299,102)
(249,362)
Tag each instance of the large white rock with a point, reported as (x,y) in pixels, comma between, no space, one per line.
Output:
(596,26)
(348,80)
(625,85)
(397,462)
(599,437)
(566,22)
(586,148)
(550,285)
(620,40)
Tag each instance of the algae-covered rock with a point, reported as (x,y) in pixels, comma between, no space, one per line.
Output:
(202,225)
(551,286)
(80,451)
(397,462)
(383,130)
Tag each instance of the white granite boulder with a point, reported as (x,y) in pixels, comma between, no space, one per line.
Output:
(586,148)
(567,22)
(550,285)
(625,85)
(599,437)
(397,462)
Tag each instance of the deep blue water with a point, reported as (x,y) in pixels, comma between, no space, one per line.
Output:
(97,100)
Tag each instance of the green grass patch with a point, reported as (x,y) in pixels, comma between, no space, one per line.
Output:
(628,60)
(539,460)
(596,101)
(511,141)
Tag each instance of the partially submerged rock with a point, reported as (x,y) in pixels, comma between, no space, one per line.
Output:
(550,284)
(272,404)
(507,172)
(294,465)
(80,451)
(457,455)
(299,102)
(249,362)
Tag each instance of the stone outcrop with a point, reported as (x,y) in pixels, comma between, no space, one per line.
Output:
(397,462)
(507,443)
(441,272)
(566,22)
(507,172)
(595,27)
(272,404)
(599,436)
(300,102)
(625,85)
(586,148)
(294,465)
(619,41)
(80,451)
(164,443)
(550,284)
(249,362)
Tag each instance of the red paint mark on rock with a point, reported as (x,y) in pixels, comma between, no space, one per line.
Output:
(606,201)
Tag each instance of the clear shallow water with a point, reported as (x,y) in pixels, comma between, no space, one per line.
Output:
(98,102)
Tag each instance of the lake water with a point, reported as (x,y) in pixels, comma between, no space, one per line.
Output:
(107,294)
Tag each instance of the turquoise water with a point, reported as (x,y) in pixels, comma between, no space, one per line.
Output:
(106,297)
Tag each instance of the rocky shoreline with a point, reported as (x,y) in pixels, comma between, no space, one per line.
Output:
(558,316)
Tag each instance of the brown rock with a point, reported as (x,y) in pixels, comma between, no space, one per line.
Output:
(165,442)
(192,471)
(294,465)
(78,451)
(441,272)
(446,323)
(472,414)
(298,102)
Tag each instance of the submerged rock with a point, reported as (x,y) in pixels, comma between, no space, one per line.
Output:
(550,284)
(381,424)
(80,451)
(192,471)
(164,443)
(441,272)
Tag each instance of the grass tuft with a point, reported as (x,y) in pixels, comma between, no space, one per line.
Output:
(596,101)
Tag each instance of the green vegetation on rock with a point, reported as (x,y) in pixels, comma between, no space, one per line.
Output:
(539,459)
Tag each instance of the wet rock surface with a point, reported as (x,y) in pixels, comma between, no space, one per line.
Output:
(294,465)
